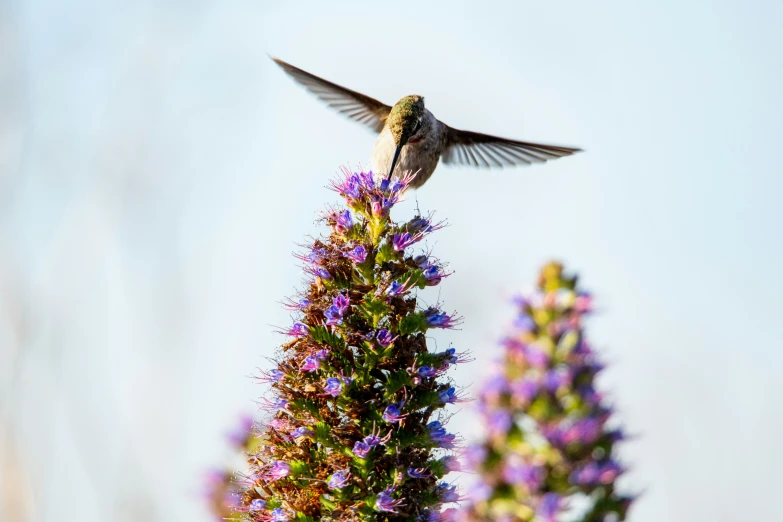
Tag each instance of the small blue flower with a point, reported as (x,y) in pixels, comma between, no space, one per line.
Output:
(333,386)
(385,502)
(361,449)
(357,254)
(257,504)
(339,479)
(384,337)
(393,413)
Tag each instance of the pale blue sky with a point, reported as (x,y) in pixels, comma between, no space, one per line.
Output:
(156,169)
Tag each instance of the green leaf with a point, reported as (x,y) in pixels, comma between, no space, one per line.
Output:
(412,323)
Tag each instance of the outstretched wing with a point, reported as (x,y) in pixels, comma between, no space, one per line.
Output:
(483,150)
(355,105)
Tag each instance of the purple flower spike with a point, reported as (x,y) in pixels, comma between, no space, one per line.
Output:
(333,386)
(279,515)
(358,254)
(384,502)
(339,479)
(393,413)
(543,393)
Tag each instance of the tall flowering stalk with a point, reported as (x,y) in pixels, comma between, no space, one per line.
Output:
(353,431)
(548,441)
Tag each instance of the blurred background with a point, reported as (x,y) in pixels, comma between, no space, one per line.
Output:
(157,169)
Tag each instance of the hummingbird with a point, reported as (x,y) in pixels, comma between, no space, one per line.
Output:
(411,138)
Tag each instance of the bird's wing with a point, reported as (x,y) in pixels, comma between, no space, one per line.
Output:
(353,104)
(483,150)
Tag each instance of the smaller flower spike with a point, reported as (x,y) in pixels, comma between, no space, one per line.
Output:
(546,435)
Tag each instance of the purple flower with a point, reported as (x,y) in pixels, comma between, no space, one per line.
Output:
(333,386)
(451,463)
(333,315)
(524,390)
(310,364)
(257,504)
(448,493)
(358,254)
(555,379)
(525,323)
(596,473)
(373,440)
(419,473)
(367,179)
(450,396)
(536,356)
(344,221)
(384,337)
(475,456)
(271,376)
(393,413)
(279,515)
(316,256)
(323,273)
(298,330)
(433,275)
(498,422)
(516,471)
(494,388)
(301,432)
(274,406)
(396,288)
(361,449)
(437,319)
(238,438)
(479,491)
(427,372)
(342,303)
(339,479)
(439,436)
(548,507)
(385,502)
(401,241)
(278,470)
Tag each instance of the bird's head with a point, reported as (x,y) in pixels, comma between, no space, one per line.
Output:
(405,118)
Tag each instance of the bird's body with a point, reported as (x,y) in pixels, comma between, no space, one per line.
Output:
(412,139)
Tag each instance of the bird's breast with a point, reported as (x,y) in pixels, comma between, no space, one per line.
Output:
(420,155)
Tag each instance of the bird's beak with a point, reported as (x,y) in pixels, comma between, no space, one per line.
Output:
(394,160)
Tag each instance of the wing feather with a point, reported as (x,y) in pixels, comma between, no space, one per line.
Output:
(483,150)
(355,105)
